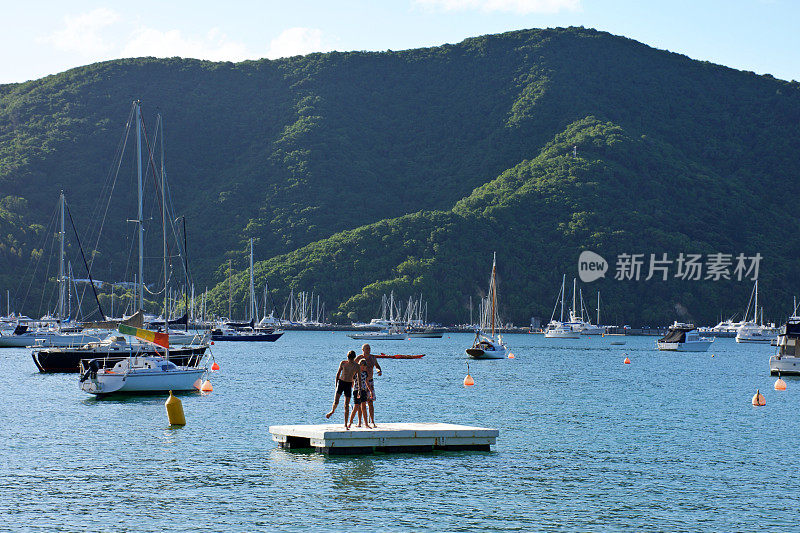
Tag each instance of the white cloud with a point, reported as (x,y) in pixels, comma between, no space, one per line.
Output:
(214,45)
(84,33)
(522,7)
(297,41)
(104,34)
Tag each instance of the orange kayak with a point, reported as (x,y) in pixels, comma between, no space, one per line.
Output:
(400,356)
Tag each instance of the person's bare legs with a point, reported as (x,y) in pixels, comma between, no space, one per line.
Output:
(356,408)
(346,411)
(335,403)
(371,413)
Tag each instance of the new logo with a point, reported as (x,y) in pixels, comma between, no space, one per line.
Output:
(591,266)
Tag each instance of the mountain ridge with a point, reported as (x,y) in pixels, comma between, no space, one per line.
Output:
(298,151)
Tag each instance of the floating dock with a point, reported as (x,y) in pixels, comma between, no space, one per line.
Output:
(333,439)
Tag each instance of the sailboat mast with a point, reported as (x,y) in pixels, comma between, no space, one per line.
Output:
(574,287)
(61,264)
(755,314)
(494,291)
(230,289)
(252,311)
(563,281)
(598,308)
(164,232)
(139,187)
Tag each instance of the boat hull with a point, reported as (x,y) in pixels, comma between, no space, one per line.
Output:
(562,335)
(787,366)
(379,336)
(478,353)
(255,337)
(756,340)
(143,382)
(700,346)
(25,340)
(65,361)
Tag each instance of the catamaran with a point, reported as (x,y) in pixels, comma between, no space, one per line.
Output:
(485,345)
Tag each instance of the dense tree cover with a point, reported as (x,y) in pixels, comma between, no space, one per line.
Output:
(358,173)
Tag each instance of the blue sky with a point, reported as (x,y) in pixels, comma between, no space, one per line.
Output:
(46,37)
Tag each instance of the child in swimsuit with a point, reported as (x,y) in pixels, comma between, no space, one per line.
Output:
(361,392)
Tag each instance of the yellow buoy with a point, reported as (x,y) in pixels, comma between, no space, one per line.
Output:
(780,384)
(758,399)
(175,411)
(206,387)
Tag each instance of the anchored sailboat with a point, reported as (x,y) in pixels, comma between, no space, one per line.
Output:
(485,345)
(142,372)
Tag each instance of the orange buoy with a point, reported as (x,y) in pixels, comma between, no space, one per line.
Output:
(198,383)
(780,384)
(511,356)
(758,399)
(212,343)
(468,381)
(215,366)
(627,361)
(206,387)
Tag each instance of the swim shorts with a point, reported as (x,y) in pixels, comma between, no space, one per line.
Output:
(345,387)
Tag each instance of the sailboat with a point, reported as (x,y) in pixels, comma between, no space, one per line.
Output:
(391,332)
(56,334)
(485,345)
(558,329)
(142,372)
(232,332)
(754,331)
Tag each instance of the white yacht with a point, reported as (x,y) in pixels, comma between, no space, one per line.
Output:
(787,359)
(754,331)
(389,334)
(558,329)
(683,338)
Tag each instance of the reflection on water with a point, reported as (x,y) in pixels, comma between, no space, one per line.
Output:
(351,472)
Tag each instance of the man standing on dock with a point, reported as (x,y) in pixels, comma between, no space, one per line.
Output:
(344,384)
(372,362)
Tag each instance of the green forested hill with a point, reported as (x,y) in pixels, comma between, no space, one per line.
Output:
(358,173)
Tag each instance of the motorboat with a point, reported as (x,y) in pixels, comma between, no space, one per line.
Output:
(683,337)
(787,359)
(246,334)
(390,334)
(486,345)
(425,333)
(559,330)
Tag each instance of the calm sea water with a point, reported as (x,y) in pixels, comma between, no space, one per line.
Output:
(667,443)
